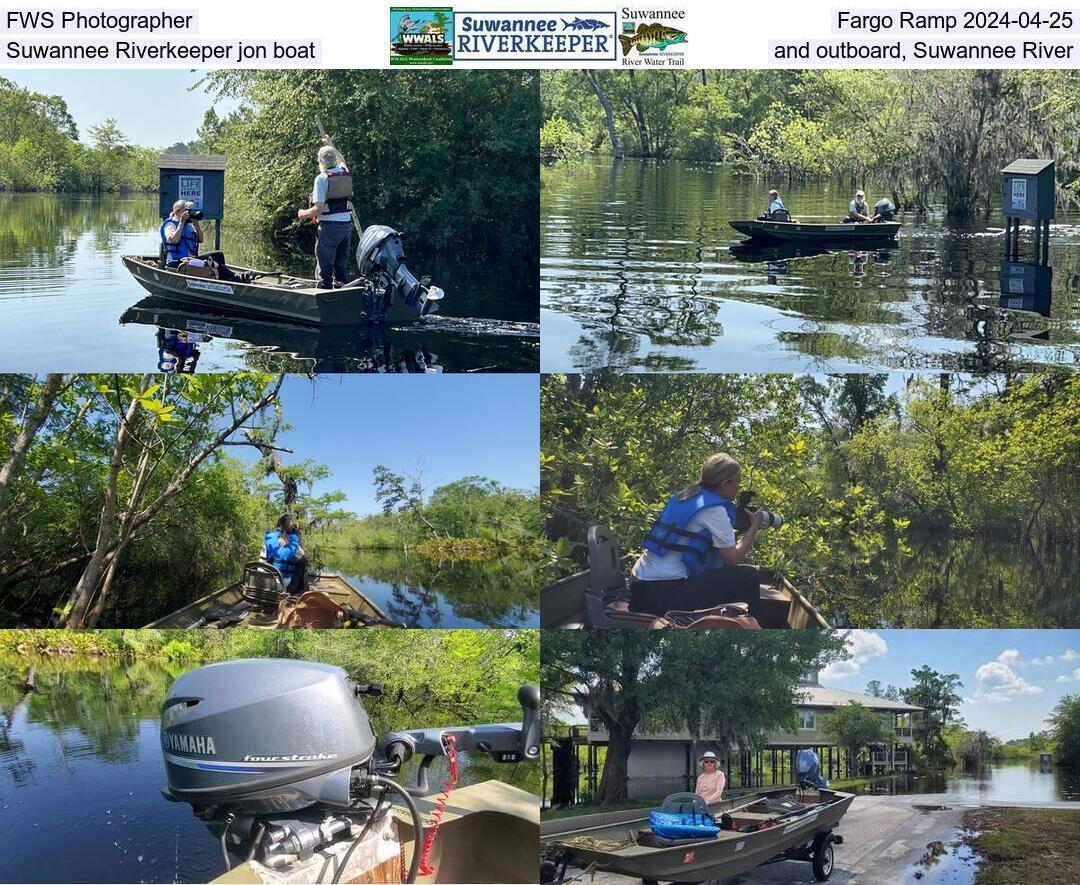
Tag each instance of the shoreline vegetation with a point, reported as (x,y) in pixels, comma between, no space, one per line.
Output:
(123,500)
(932,137)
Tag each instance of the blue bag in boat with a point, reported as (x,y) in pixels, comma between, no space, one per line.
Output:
(683,816)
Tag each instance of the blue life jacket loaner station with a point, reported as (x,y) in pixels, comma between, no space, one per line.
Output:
(1027,191)
(198,178)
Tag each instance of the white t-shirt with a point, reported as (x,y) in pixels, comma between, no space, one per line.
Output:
(652,567)
(319,191)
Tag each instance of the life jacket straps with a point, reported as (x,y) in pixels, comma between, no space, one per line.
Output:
(670,529)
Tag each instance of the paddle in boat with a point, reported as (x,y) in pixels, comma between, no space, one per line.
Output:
(597,597)
(260,600)
(279,759)
(685,841)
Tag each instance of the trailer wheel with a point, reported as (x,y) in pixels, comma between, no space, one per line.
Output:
(823,860)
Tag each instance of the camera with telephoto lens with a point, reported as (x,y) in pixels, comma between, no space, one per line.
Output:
(195,215)
(743,509)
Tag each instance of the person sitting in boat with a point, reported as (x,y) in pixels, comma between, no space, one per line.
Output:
(181,237)
(181,234)
(711,779)
(691,558)
(859,210)
(330,207)
(282,549)
(775,204)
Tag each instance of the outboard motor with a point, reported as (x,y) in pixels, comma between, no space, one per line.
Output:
(382,260)
(808,770)
(280,760)
(885,209)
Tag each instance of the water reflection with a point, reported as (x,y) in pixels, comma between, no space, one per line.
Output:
(638,272)
(61,276)
(423,592)
(960,583)
(1012,782)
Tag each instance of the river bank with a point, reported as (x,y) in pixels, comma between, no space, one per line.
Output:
(1024,846)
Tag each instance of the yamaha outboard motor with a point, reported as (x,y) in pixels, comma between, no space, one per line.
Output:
(808,770)
(885,209)
(382,260)
(280,760)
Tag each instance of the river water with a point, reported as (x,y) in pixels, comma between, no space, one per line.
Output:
(1016,782)
(641,272)
(959,583)
(422,592)
(70,304)
(81,773)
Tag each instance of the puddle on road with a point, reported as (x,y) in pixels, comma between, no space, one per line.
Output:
(946,863)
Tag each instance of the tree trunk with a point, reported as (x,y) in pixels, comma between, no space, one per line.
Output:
(609,115)
(612,789)
(49,392)
(79,601)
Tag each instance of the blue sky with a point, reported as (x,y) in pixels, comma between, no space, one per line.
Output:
(153,108)
(454,425)
(1012,678)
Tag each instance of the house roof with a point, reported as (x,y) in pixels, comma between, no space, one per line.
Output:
(820,696)
(197,162)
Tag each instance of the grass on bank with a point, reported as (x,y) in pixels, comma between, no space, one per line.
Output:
(1026,846)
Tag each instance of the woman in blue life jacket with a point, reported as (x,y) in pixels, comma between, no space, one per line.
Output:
(281,548)
(691,558)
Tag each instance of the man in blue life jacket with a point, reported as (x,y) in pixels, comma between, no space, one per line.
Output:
(181,237)
(281,548)
(181,234)
(330,207)
(691,558)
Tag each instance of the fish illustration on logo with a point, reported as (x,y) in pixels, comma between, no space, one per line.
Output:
(584,24)
(654,36)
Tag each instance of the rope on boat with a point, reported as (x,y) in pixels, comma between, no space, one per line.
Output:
(593,843)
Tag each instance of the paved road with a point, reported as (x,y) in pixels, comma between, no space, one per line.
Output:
(885,837)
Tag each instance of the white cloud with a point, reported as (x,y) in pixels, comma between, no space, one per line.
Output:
(1073,677)
(1042,662)
(863,646)
(1071,655)
(996,681)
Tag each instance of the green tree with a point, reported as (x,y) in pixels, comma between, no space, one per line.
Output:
(937,693)
(854,728)
(1065,730)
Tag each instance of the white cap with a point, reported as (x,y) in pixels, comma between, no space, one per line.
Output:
(709,754)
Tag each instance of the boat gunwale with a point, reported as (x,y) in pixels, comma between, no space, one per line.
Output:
(235,585)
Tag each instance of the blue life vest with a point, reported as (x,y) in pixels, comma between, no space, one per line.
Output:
(187,247)
(283,556)
(669,534)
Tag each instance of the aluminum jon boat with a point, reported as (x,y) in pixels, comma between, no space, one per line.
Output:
(386,290)
(761,230)
(259,599)
(591,598)
(768,826)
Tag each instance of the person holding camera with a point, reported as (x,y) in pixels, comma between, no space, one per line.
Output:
(330,207)
(692,559)
(181,234)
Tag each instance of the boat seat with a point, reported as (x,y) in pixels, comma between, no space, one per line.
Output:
(262,585)
(607,600)
(780,215)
